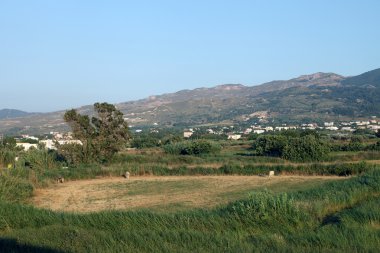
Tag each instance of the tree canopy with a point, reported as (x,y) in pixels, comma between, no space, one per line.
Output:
(102,136)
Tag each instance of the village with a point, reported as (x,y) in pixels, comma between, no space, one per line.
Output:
(236,132)
(52,139)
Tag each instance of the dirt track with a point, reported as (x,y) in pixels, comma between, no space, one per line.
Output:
(161,192)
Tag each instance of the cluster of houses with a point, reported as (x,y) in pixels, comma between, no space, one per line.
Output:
(232,132)
(48,143)
(351,126)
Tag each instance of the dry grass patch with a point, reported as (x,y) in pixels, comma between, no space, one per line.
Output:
(169,193)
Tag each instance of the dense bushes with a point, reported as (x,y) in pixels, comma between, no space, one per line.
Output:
(301,148)
(197,147)
(355,145)
(7,157)
(15,185)
(144,141)
(270,145)
(8,152)
(263,206)
(306,148)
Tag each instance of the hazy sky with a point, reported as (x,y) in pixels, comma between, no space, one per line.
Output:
(62,54)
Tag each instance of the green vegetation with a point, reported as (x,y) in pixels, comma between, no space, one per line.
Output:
(101,137)
(293,146)
(335,217)
(197,147)
(338,216)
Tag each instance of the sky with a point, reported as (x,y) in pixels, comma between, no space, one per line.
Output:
(57,55)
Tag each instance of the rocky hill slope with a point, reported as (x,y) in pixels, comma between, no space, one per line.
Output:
(319,96)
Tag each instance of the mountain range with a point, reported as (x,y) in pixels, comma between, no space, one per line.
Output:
(308,98)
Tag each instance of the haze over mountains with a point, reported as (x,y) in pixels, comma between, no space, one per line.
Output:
(12,113)
(308,98)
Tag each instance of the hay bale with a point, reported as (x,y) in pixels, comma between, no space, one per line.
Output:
(271,173)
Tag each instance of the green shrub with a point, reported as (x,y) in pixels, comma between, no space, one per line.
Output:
(197,147)
(306,148)
(303,147)
(14,187)
(270,145)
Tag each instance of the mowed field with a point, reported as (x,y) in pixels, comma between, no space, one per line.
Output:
(163,193)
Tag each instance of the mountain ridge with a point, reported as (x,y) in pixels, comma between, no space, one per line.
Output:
(324,96)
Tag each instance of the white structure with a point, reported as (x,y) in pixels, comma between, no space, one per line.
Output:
(248,131)
(187,134)
(26,146)
(362,123)
(374,127)
(347,129)
(210,131)
(234,136)
(49,144)
(63,142)
(282,128)
(259,131)
(26,136)
(328,124)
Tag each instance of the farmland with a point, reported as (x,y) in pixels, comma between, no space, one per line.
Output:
(221,201)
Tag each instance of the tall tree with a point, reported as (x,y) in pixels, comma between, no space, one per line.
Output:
(102,136)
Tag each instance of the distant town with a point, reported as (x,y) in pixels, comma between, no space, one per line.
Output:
(233,132)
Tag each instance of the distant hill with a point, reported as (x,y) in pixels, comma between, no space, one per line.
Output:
(308,98)
(12,113)
(370,78)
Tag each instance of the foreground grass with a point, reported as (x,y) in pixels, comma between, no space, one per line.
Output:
(341,216)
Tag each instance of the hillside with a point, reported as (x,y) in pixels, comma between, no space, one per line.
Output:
(308,98)
(12,113)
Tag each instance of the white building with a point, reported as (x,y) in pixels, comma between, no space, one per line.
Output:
(348,129)
(26,146)
(362,123)
(332,128)
(187,134)
(49,144)
(374,127)
(63,142)
(282,128)
(234,136)
(210,131)
(248,131)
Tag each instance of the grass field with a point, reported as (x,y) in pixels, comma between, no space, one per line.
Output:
(331,216)
(215,203)
(165,193)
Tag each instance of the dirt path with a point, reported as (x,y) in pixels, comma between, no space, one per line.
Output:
(161,193)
